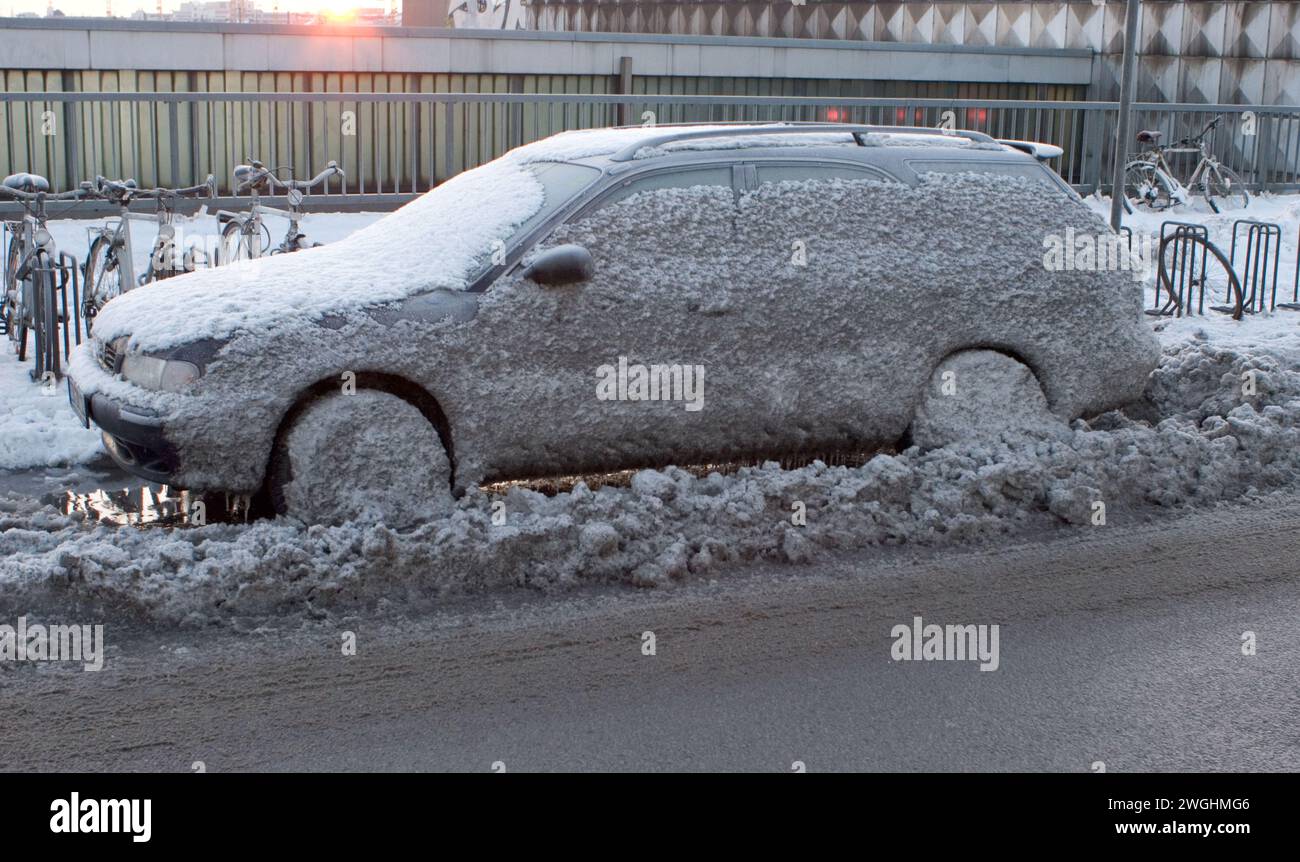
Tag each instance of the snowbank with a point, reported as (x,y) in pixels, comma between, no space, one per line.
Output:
(1201,442)
(37,428)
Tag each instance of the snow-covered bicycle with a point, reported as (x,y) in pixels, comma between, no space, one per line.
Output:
(1149,180)
(37,276)
(110,265)
(244,236)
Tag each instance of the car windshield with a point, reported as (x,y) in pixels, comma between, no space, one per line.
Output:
(560,181)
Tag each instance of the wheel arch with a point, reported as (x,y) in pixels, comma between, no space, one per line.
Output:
(1036,366)
(393,384)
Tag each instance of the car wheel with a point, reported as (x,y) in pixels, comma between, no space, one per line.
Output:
(982,395)
(370,457)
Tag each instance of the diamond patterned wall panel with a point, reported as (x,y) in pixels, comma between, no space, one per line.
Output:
(1162,28)
(896,22)
(1157,79)
(1112,39)
(817,23)
(1198,79)
(981,25)
(844,20)
(1105,78)
(715,20)
(1284,32)
(1047,25)
(1247,29)
(1242,81)
(1083,26)
(784,22)
(1282,83)
(949,23)
(1015,25)
(1204,29)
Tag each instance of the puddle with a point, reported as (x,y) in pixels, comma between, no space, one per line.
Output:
(154,506)
(135,503)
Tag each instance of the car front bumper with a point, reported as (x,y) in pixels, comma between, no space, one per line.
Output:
(133,436)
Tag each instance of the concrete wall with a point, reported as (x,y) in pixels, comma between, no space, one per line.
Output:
(1227,51)
(72,44)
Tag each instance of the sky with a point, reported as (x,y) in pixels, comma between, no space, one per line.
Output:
(123,8)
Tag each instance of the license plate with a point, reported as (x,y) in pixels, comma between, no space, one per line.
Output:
(78,402)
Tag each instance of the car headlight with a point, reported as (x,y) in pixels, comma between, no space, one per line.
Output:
(150,372)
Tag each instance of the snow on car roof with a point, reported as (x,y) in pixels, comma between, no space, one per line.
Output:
(435,241)
(592,143)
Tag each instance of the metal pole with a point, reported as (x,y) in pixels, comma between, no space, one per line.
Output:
(1127,86)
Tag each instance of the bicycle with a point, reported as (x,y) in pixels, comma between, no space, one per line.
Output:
(37,276)
(244,237)
(110,265)
(1150,182)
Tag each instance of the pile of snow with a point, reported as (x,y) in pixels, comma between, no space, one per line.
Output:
(1196,441)
(436,241)
(37,427)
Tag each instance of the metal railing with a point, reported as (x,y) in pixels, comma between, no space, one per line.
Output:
(396,145)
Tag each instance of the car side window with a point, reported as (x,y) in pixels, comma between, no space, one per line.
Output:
(810,171)
(711,175)
(1037,173)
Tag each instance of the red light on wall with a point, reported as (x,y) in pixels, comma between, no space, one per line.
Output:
(834,115)
(918,117)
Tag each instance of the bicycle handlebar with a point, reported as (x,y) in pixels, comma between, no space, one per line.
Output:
(32,197)
(1196,139)
(258,175)
(126,190)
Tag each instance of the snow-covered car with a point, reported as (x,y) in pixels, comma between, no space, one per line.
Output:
(612,299)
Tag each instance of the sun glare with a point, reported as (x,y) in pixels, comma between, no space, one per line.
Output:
(338,10)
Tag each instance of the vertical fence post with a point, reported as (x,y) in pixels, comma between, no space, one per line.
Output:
(624,89)
(448,139)
(1128,85)
(72,142)
(174,137)
(1094,128)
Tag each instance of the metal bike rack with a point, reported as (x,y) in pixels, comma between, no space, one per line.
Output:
(1128,235)
(1261,238)
(69,313)
(1188,268)
(60,273)
(1294,304)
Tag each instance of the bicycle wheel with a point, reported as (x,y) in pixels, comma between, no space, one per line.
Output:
(103,279)
(20,306)
(1224,189)
(45,327)
(7,313)
(236,244)
(1145,185)
(8,302)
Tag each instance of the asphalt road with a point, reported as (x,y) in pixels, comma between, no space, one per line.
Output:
(1117,644)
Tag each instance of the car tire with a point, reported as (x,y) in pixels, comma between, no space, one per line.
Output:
(369,457)
(981,395)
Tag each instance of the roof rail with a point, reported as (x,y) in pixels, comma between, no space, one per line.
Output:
(791,128)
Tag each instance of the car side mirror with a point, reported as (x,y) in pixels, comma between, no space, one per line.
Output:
(564,264)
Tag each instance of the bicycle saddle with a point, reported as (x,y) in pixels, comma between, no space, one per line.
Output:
(244,173)
(1149,137)
(27,183)
(128,185)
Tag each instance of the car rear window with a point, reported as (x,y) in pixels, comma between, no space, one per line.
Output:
(801,172)
(1034,172)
